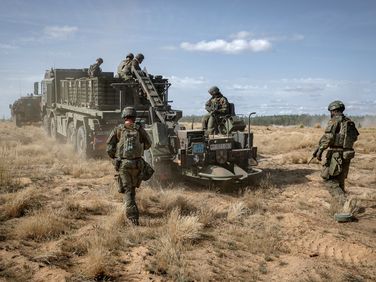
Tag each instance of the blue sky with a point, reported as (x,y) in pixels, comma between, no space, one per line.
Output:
(272,57)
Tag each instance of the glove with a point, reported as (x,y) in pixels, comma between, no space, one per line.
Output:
(318,153)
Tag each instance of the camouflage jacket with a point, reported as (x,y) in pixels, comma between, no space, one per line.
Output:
(136,64)
(124,67)
(116,136)
(94,70)
(334,135)
(217,104)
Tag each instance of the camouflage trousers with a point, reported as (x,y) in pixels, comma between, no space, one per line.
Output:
(209,123)
(334,178)
(130,179)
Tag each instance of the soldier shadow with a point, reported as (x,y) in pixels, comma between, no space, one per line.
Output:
(270,178)
(281,178)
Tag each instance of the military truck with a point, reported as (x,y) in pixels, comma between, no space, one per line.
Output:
(83,111)
(26,110)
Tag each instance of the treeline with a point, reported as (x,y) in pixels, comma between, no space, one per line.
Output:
(293,120)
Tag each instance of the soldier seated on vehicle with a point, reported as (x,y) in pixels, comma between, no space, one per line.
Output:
(95,69)
(217,107)
(124,68)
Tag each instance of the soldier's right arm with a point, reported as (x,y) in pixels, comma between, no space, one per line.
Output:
(112,141)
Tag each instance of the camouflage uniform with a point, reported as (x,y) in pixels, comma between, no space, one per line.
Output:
(129,162)
(339,137)
(95,69)
(217,106)
(124,68)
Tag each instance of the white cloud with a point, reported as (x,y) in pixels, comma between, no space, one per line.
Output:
(241,35)
(7,46)
(59,32)
(246,87)
(186,82)
(235,46)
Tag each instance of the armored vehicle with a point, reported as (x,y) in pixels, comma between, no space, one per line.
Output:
(83,111)
(26,110)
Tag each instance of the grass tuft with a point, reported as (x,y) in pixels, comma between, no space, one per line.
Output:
(44,225)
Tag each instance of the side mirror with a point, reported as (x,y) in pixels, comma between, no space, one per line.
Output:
(10,106)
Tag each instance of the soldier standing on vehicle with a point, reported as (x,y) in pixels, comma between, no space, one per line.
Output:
(124,68)
(339,138)
(216,106)
(95,69)
(126,145)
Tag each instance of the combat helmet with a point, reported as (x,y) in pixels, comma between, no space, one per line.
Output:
(130,56)
(214,90)
(100,60)
(128,112)
(140,57)
(336,105)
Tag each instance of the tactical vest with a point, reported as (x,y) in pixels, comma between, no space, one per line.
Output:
(129,145)
(347,134)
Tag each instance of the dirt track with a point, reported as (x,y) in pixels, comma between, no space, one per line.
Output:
(62,219)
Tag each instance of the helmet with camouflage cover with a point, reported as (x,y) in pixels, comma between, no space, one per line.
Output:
(336,106)
(100,60)
(139,57)
(128,112)
(130,56)
(214,90)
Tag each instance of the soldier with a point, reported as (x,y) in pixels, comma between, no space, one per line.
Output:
(339,138)
(216,106)
(126,145)
(94,69)
(137,61)
(124,68)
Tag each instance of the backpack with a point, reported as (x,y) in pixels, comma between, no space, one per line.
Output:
(130,146)
(349,134)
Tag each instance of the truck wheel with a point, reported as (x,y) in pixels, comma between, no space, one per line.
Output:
(71,135)
(83,149)
(53,129)
(18,120)
(47,125)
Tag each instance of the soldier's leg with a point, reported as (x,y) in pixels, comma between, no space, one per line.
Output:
(204,121)
(335,190)
(211,125)
(127,187)
(130,204)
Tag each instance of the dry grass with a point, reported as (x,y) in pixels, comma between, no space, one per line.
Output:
(19,203)
(97,263)
(208,215)
(169,248)
(266,183)
(43,225)
(186,235)
(150,200)
(182,228)
(262,238)
(274,142)
(237,211)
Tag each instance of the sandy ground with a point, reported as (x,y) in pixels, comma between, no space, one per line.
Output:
(62,218)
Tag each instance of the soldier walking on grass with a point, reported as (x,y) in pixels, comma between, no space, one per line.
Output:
(339,138)
(125,146)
